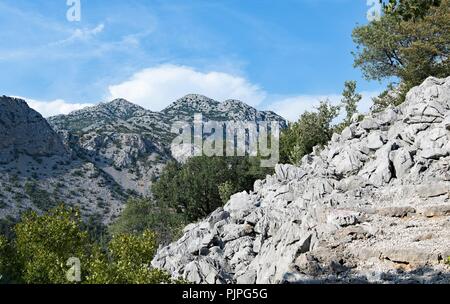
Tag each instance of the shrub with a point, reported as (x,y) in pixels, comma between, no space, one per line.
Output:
(127,262)
(44,243)
(140,215)
(192,189)
(312,129)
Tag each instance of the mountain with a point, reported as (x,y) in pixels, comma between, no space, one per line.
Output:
(372,206)
(97,157)
(23,131)
(229,110)
(39,171)
(132,144)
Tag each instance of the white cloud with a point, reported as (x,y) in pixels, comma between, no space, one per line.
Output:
(88,33)
(292,107)
(80,34)
(156,88)
(55,107)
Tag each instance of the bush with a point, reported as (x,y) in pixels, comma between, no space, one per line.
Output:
(44,243)
(226,190)
(312,129)
(126,262)
(392,96)
(140,215)
(192,189)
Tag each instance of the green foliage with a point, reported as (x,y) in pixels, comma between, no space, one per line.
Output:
(392,96)
(126,262)
(409,9)
(350,100)
(6,226)
(140,215)
(226,190)
(192,189)
(410,42)
(312,129)
(44,243)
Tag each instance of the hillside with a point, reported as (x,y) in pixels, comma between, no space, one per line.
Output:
(97,157)
(372,206)
(39,171)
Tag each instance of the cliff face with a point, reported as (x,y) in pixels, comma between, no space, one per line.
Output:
(23,130)
(372,206)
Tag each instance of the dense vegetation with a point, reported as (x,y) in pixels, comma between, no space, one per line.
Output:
(409,43)
(43,244)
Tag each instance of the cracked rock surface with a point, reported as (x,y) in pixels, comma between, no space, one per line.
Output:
(372,206)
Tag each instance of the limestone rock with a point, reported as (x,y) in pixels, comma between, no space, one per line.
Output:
(371,206)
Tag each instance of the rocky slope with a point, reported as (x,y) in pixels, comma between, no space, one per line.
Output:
(372,206)
(94,158)
(38,171)
(132,144)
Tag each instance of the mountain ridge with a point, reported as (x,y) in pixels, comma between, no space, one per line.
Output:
(107,152)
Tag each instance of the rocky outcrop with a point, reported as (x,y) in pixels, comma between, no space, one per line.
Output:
(23,130)
(39,170)
(372,206)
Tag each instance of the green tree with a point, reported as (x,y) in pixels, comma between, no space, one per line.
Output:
(409,9)
(140,215)
(126,262)
(350,100)
(192,189)
(312,129)
(43,244)
(409,43)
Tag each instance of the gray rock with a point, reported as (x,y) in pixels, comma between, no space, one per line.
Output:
(355,212)
(375,140)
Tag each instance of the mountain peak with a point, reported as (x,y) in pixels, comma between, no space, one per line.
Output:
(25,131)
(121,104)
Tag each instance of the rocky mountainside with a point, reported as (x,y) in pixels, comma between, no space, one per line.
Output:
(38,171)
(25,131)
(132,144)
(229,110)
(372,206)
(94,158)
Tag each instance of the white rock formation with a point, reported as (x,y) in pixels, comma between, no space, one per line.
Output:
(372,206)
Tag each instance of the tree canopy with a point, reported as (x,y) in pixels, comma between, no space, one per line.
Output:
(409,43)
(203,184)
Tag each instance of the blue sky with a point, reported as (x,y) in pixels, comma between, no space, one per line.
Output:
(281,55)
